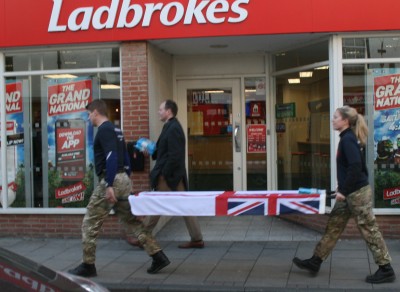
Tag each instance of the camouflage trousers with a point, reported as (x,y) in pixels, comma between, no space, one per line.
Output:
(359,206)
(99,208)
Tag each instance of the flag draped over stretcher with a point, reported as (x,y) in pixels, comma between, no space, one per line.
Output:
(219,203)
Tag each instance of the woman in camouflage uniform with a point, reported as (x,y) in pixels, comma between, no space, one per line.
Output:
(353,199)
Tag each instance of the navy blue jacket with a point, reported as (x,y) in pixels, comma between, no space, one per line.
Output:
(110,154)
(352,172)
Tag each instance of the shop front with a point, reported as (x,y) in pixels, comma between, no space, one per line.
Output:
(255,94)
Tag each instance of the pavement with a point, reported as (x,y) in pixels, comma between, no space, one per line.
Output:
(248,253)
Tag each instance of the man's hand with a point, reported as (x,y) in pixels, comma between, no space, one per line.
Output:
(340,197)
(110,196)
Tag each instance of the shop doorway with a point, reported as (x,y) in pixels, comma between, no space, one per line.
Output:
(226,133)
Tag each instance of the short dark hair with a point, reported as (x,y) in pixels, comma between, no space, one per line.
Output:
(99,105)
(171,105)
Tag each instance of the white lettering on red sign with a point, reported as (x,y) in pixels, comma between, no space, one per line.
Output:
(69,97)
(391,193)
(387,92)
(70,190)
(14,98)
(132,15)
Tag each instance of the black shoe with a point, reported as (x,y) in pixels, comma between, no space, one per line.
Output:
(84,270)
(384,274)
(160,261)
(312,264)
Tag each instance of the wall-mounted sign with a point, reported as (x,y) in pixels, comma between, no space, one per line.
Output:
(256,138)
(62,21)
(280,127)
(285,110)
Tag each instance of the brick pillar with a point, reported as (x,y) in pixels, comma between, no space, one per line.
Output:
(135,102)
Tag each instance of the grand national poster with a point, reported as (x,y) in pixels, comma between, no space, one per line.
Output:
(15,141)
(387,138)
(70,140)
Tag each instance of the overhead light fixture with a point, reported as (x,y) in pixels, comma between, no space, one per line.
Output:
(322,68)
(250,90)
(214,91)
(110,86)
(60,76)
(306,74)
(294,80)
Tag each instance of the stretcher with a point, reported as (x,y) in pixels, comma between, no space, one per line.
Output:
(227,203)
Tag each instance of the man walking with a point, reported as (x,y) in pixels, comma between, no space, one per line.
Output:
(113,170)
(169,172)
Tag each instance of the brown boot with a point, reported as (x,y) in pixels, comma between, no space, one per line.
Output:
(192,244)
(134,242)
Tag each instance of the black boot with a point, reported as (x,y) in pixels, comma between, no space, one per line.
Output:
(313,264)
(384,274)
(160,261)
(84,270)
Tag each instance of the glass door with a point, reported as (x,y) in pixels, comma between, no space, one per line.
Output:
(211,113)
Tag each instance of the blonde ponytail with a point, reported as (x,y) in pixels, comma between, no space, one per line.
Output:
(357,123)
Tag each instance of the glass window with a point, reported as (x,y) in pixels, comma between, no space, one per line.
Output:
(376,47)
(63,59)
(302,56)
(256,133)
(303,129)
(209,113)
(49,138)
(374,90)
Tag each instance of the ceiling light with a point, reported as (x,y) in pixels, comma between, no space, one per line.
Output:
(306,74)
(294,80)
(60,76)
(214,91)
(109,86)
(250,90)
(322,68)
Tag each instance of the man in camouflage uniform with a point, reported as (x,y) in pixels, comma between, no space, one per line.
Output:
(113,169)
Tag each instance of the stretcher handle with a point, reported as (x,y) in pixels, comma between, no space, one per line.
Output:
(331,194)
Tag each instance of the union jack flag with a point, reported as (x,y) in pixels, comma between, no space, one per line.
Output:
(247,206)
(308,205)
(270,204)
(227,203)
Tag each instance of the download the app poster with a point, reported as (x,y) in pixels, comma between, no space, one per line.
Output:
(70,141)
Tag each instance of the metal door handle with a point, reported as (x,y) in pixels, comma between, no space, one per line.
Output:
(237,138)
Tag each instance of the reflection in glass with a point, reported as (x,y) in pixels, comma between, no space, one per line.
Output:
(303,131)
(210,139)
(256,133)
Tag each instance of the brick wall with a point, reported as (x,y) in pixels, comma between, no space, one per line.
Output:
(69,226)
(54,226)
(135,101)
(388,225)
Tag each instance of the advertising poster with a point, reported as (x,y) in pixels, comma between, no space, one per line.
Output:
(70,142)
(256,138)
(387,139)
(15,140)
